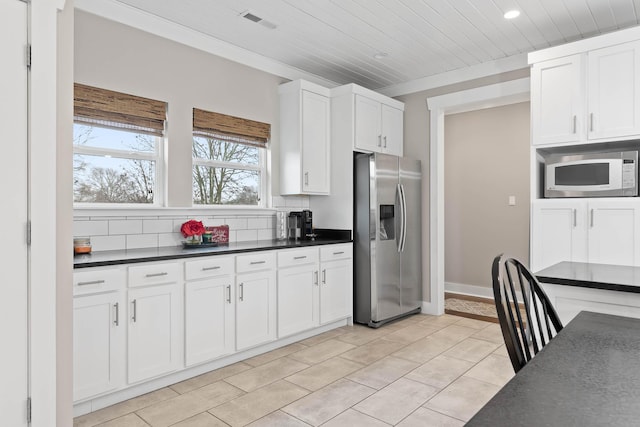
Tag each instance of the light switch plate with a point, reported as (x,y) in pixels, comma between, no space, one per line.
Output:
(512,200)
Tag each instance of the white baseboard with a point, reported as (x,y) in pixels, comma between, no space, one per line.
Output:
(473,290)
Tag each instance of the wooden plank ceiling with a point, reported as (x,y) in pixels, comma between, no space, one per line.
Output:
(337,39)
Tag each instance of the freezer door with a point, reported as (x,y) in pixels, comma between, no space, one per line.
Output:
(385,257)
(411,256)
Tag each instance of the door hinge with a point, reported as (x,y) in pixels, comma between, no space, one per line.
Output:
(29,56)
(29,233)
(28,410)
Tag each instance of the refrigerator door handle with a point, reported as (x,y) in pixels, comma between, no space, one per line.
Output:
(403,201)
(401,215)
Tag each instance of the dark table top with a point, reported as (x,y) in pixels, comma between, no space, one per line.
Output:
(587,275)
(104,258)
(588,375)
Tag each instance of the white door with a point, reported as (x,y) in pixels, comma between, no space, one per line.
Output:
(154,328)
(255,308)
(558,232)
(557,100)
(316,134)
(335,290)
(98,344)
(392,130)
(368,130)
(13,192)
(297,299)
(613,230)
(209,319)
(614,91)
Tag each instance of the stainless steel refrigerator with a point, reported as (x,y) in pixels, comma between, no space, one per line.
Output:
(388,258)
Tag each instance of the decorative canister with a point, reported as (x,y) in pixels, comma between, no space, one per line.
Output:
(81,245)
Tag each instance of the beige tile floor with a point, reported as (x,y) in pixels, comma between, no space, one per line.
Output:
(420,371)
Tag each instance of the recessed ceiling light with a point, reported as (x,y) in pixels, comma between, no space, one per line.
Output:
(380,55)
(510,14)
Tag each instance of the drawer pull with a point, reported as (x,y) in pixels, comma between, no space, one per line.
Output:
(338,253)
(324,276)
(229,294)
(315,278)
(300,257)
(156,274)
(241,291)
(257,262)
(116,321)
(215,267)
(91,282)
(135,311)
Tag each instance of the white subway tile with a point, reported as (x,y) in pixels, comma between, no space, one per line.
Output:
(293,201)
(133,226)
(266,234)
(170,239)
(107,243)
(236,223)
(305,202)
(137,241)
(232,236)
(90,228)
(157,226)
(246,235)
(212,222)
(277,201)
(257,222)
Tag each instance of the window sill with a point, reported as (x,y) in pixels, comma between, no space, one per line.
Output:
(156,211)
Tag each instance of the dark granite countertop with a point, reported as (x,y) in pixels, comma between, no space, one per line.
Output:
(104,258)
(587,275)
(588,375)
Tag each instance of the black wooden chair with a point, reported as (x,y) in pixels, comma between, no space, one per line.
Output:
(527,318)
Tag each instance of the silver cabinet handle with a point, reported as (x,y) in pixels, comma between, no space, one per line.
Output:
(575,123)
(592,218)
(385,141)
(215,267)
(379,140)
(116,321)
(241,291)
(257,262)
(91,282)
(324,276)
(338,253)
(156,274)
(591,122)
(575,218)
(315,277)
(229,294)
(135,311)
(306,178)
(300,257)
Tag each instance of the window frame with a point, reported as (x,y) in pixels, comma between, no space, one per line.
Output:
(157,156)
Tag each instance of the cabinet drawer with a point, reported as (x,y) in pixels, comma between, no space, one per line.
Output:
(331,252)
(208,267)
(287,258)
(93,281)
(256,262)
(154,274)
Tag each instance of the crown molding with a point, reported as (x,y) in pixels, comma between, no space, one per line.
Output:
(153,24)
(485,69)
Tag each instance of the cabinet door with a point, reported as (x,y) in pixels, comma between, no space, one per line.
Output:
(255,308)
(558,232)
(154,328)
(368,131)
(557,100)
(614,227)
(336,290)
(614,91)
(316,133)
(98,344)
(297,299)
(392,130)
(209,319)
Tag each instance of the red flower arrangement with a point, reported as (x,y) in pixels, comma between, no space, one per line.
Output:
(192,228)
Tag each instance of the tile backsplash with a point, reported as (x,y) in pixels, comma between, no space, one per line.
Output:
(158,229)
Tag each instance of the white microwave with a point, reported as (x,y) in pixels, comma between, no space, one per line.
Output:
(605,174)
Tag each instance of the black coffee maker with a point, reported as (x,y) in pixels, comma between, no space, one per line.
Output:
(300,225)
(307,224)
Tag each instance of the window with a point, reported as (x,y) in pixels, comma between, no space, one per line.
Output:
(117,146)
(229,157)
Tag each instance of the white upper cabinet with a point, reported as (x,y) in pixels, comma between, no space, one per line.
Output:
(305,137)
(378,126)
(557,106)
(593,96)
(392,130)
(614,91)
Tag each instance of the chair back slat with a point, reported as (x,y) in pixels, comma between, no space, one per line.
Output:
(524,335)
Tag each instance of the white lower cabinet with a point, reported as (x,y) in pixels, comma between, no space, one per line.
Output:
(336,284)
(154,331)
(98,344)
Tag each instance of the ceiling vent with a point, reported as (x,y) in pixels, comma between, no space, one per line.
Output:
(255,18)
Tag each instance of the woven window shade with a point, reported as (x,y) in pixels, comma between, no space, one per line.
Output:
(231,129)
(96,106)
